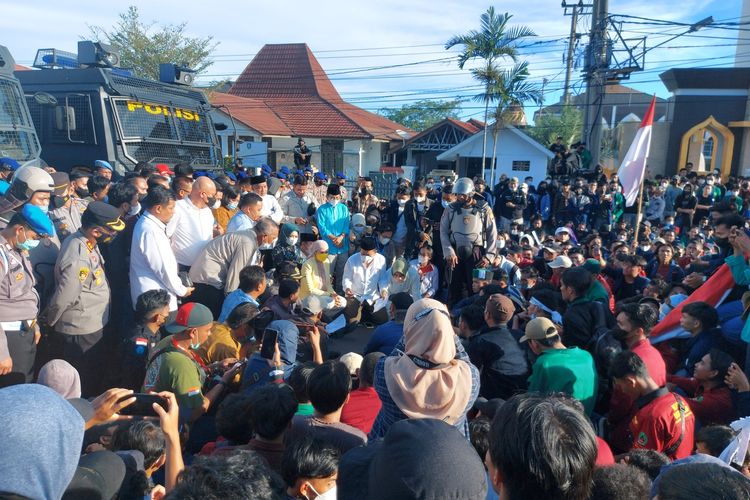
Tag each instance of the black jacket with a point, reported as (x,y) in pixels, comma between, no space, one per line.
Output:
(410,219)
(501,362)
(581,320)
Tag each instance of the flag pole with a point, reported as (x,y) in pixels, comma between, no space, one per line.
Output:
(649,118)
(638,213)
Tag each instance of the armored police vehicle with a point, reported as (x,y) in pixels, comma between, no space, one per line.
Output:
(86,108)
(18,139)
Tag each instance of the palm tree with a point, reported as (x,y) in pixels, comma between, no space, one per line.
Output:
(493,42)
(510,90)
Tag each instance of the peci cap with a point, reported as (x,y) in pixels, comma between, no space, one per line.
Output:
(502,304)
(257,179)
(37,220)
(539,329)
(482,274)
(333,190)
(561,261)
(103,164)
(401,301)
(102,214)
(190,315)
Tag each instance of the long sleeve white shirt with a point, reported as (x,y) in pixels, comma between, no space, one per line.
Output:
(272,209)
(189,230)
(153,265)
(363,281)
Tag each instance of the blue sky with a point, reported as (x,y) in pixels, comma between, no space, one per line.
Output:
(351,38)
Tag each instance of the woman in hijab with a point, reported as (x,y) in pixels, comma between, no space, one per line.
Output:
(316,275)
(61,377)
(428,375)
(287,248)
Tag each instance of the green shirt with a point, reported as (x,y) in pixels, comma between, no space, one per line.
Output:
(305,409)
(571,371)
(175,371)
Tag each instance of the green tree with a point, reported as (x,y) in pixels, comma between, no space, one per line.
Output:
(491,44)
(143,46)
(548,127)
(510,89)
(423,114)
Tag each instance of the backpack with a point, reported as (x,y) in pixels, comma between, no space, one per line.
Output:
(602,345)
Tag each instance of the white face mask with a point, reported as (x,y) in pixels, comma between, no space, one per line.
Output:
(367,259)
(135,209)
(445,203)
(328,495)
(293,240)
(384,241)
(268,246)
(401,202)
(333,202)
(420,199)
(424,259)
(500,243)
(217,204)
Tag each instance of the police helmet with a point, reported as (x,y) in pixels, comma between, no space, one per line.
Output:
(28,180)
(464,185)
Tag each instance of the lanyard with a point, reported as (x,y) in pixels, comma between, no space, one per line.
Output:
(190,354)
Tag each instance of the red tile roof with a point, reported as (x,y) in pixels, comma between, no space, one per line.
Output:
(285,91)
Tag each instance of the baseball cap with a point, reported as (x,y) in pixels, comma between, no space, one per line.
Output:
(352,361)
(9,164)
(104,215)
(190,315)
(488,407)
(103,164)
(593,266)
(482,274)
(539,329)
(37,220)
(163,169)
(98,475)
(552,247)
(561,261)
(311,305)
(502,304)
(401,301)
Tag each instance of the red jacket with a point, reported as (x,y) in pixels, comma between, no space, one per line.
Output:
(711,406)
(660,425)
(361,409)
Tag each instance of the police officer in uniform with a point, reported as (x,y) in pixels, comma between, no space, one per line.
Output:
(79,308)
(67,211)
(468,236)
(19,300)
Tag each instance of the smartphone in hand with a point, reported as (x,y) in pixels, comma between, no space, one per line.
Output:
(268,347)
(143,405)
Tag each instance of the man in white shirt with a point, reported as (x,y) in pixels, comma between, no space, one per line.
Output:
(192,226)
(271,207)
(248,214)
(364,277)
(296,203)
(153,265)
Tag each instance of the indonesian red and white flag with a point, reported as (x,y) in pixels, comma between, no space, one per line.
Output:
(634,165)
(713,292)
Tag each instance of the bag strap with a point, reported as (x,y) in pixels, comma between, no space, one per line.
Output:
(681,407)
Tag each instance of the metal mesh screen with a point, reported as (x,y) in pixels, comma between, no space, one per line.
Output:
(148,121)
(11,111)
(17,138)
(154,152)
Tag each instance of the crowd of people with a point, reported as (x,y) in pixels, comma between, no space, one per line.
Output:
(173,333)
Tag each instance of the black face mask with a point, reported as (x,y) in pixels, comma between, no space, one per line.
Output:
(211,201)
(58,202)
(82,192)
(722,242)
(619,334)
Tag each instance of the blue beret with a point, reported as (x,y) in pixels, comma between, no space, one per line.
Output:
(284,169)
(242,175)
(103,164)
(38,220)
(281,175)
(320,175)
(299,172)
(199,174)
(308,169)
(9,163)
(231,176)
(340,175)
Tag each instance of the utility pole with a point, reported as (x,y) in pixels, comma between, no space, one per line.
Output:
(596,78)
(575,11)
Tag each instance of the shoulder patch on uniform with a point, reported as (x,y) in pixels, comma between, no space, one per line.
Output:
(642,439)
(83,273)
